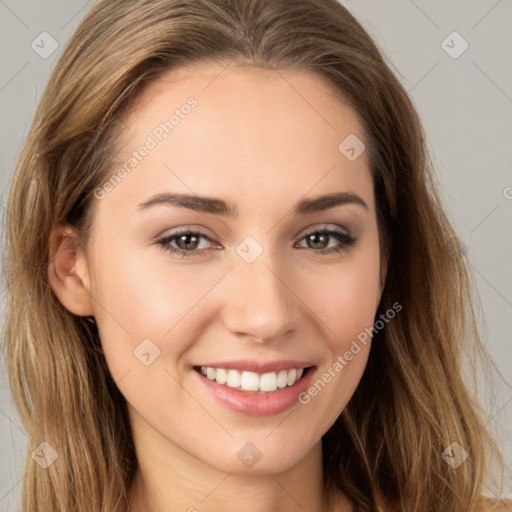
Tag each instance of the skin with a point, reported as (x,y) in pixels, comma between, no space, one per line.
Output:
(262,140)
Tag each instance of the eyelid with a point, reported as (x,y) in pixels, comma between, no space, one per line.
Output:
(325,226)
(200,230)
(329,227)
(343,236)
(185,231)
(187,228)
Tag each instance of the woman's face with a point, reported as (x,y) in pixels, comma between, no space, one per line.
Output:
(271,283)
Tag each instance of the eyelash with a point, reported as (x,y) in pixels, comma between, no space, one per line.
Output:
(346,240)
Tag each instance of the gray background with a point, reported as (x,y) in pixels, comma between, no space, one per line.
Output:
(465,104)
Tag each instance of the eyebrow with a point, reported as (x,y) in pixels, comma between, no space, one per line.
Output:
(220,207)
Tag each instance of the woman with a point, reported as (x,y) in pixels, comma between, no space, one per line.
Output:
(227,276)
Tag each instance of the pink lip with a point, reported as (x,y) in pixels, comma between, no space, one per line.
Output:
(247,365)
(257,404)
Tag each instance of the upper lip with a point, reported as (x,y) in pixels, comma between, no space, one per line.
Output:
(249,365)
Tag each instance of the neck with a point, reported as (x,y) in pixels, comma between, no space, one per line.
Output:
(167,478)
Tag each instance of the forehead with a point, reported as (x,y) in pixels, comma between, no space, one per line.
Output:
(275,132)
(232,95)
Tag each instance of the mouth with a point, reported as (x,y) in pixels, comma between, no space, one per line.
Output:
(254,382)
(254,389)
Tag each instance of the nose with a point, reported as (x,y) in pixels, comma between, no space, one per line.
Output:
(260,303)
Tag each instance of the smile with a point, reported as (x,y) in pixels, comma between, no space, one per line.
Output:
(255,388)
(251,381)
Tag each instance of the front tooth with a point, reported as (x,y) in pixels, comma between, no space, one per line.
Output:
(222,376)
(282,379)
(268,382)
(250,381)
(292,376)
(234,378)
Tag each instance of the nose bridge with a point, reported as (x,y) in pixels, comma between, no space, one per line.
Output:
(258,301)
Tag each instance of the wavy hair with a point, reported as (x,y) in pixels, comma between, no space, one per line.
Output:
(384,451)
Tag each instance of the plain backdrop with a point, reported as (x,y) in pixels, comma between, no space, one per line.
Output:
(452,56)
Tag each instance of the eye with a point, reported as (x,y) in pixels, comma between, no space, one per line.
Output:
(319,239)
(188,243)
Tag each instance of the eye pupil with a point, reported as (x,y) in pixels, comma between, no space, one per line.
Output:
(314,237)
(186,239)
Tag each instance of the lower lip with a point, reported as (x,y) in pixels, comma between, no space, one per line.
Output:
(258,404)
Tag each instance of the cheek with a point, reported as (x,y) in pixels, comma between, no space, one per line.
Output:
(146,293)
(345,296)
(140,296)
(347,309)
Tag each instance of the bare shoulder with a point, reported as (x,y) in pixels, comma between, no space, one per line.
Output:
(493,505)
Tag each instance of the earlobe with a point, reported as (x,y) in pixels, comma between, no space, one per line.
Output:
(68,273)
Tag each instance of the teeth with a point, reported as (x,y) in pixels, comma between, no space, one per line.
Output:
(234,378)
(222,376)
(251,381)
(268,382)
(282,379)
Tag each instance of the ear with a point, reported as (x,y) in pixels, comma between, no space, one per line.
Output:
(68,272)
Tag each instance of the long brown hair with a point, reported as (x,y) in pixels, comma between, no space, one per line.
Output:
(384,451)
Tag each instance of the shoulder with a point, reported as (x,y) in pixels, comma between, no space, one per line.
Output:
(493,505)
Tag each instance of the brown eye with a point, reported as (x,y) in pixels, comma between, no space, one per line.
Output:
(319,240)
(188,241)
(184,243)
